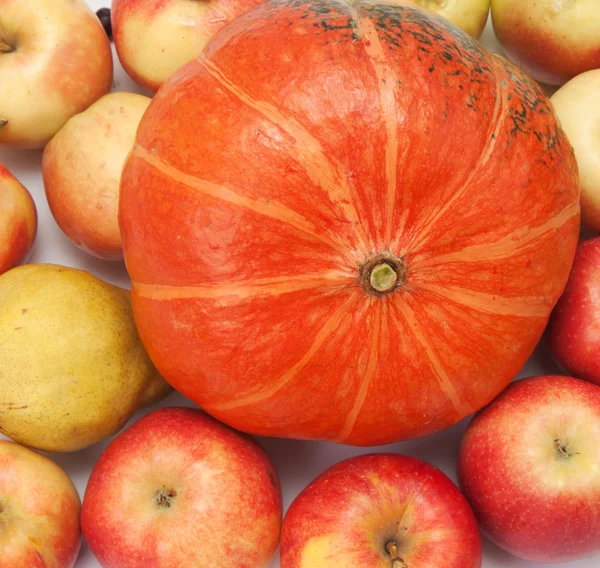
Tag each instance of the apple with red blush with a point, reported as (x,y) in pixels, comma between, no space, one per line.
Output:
(528,465)
(39,511)
(553,40)
(177,488)
(55,61)
(573,332)
(154,38)
(18,221)
(384,510)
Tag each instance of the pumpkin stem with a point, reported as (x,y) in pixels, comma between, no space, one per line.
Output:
(395,561)
(382,274)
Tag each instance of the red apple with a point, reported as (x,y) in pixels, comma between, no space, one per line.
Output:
(39,511)
(573,332)
(154,38)
(530,466)
(82,167)
(180,489)
(18,221)
(381,510)
(553,40)
(55,60)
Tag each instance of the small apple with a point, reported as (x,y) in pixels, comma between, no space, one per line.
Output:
(39,511)
(154,38)
(469,15)
(577,105)
(573,333)
(55,60)
(383,510)
(529,466)
(553,40)
(18,221)
(180,489)
(81,167)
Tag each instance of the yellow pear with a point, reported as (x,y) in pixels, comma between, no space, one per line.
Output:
(72,367)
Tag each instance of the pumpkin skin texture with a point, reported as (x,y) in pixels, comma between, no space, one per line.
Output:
(310,144)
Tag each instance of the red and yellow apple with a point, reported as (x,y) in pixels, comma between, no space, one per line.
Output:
(55,60)
(529,466)
(81,167)
(39,511)
(553,40)
(469,15)
(178,488)
(577,105)
(380,510)
(573,333)
(154,38)
(18,221)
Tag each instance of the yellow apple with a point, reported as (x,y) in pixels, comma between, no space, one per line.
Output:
(81,167)
(55,60)
(154,38)
(469,15)
(577,104)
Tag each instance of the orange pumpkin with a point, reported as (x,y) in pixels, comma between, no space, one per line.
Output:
(346,221)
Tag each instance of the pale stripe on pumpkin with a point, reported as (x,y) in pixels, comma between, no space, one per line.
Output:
(271,209)
(308,153)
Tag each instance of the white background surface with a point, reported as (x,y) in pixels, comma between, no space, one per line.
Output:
(297,462)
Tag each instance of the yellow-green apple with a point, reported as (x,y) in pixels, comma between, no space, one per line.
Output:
(18,221)
(177,488)
(384,511)
(154,38)
(577,104)
(553,40)
(469,15)
(55,60)
(39,511)
(573,333)
(81,167)
(529,465)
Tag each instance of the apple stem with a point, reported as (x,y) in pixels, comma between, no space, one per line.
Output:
(395,560)
(3,123)
(5,48)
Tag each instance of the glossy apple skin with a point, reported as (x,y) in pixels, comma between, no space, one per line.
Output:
(18,221)
(225,504)
(573,333)
(349,513)
(469,15)
(81,167)
(530,497)
(154,38)
(61,64)
(39,511)
(577,105)
(553,40)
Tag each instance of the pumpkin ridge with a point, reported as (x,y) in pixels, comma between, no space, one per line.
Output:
(246,289)
(259,394)
(365,382)
(309,153)
(503,248)
(525,307)
(444,381)
(498,117)
(386,82)
(274,210)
